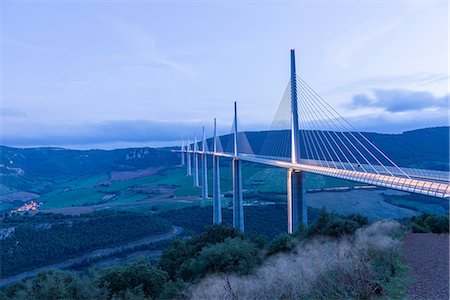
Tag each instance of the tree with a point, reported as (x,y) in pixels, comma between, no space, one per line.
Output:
(130,277)
(284,243)
(234,255)
(175,258)
(54,284)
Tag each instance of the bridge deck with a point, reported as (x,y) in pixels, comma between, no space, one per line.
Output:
(437,187)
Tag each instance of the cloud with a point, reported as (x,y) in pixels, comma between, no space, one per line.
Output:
(116,131)
(387,122)
(399,100)
(8,112)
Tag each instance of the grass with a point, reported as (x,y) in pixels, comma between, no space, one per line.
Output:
(155,207)
(268,183)
(76,197)
(395,288)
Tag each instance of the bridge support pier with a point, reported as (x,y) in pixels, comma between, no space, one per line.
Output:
(204,177)
(238,202)
(296,198)
(182,153)
(196,182)
(217,207)
(188,164)
(204,168)
(188,158)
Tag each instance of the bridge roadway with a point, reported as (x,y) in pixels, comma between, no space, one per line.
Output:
(436,186)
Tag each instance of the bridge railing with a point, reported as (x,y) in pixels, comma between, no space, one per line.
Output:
(415,173)
(427,182)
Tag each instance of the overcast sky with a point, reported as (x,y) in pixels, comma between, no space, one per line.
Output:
(119,73)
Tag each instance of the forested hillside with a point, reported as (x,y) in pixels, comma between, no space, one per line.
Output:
(426,148)
(37,169)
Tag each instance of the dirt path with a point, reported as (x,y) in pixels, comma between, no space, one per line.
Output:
(94,254)
(427,255)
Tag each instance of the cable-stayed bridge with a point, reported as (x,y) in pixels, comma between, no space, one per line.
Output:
(306,135)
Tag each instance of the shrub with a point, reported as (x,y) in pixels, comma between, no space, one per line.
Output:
(234,255)
(133,278)
(429,223)
(361,220)
(175,259)
(284,243)
(54,284)
(321,268)
(336,226)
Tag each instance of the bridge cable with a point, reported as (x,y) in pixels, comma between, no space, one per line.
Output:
(351,126)
(314,119)
(368,151)
(308,114)
(338,137)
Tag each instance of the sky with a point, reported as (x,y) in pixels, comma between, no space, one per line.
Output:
(108,74)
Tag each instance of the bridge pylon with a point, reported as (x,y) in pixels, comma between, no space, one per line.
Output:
(217,207)
(296,193)
(204,168)
(238,201)
(196,182)
(182,152)
(188,158)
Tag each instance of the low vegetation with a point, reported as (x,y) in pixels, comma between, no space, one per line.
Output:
(349,267)
(429,223)
(337,257)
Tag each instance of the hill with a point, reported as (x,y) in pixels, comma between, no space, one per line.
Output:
(71,178)
(426,148)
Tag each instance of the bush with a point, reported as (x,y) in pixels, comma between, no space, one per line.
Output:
(234,255)
(284,243)
(429,223)
(133,278)
(319,268)
(361,220)
(174,290)
(336,226)
(174,259)
(54,285)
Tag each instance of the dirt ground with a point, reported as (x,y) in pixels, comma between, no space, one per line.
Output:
(427,254)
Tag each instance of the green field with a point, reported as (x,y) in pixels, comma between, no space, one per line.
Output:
(259,182)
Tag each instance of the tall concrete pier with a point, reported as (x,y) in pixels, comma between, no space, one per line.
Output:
(217,207)
(196,182)
(188,158)
(238,202)
(296,194)
(182,152)
(204,168)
